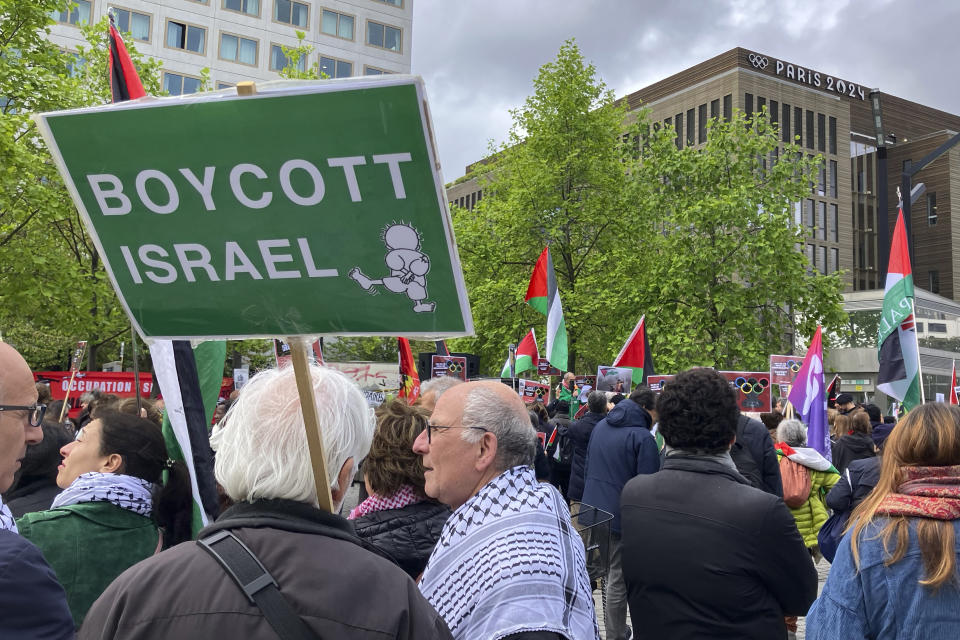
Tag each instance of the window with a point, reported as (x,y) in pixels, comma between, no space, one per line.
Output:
(224,85)
(74,65)
(727,107)
(678,123)
(186,36)
(373,71)
(822,182)
(833,135)
(798,125)
(702,129)
(821,132)
(774,111)
(691,126)
(668,123)
(785,125)
(384,36)
(177,85)
(919,327)
(337,24)
(834,265)
(822,259)
(279,60)
(761,103)
(79,14)
(714,109)
(798,214)
(249,7)
(136,24)
(931,209)
(296,14)
(237,49)
(936,327)
(811,215)
(812,255)
(834,223)
(833,178)
(822,220)
(809,129)
(748,104)
(336,68)
(395,3)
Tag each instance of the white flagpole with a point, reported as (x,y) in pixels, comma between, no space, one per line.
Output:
(913,307)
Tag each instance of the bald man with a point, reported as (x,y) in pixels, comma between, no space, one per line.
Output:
(32,602)
(509,563)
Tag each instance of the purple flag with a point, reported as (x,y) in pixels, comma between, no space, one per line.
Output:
(809,397)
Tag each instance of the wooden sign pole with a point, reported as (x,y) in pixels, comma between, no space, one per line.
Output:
(299,350)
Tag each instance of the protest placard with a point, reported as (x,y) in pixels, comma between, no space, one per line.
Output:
(656,382)
(616,379)
(783,369)
(279,214)
(531,391)
(455,366)
(753,389)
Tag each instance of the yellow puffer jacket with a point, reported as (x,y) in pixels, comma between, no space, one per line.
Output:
(811,515)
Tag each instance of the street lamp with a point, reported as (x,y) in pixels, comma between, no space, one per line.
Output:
(883,215)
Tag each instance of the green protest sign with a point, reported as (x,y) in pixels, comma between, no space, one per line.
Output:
(303,210)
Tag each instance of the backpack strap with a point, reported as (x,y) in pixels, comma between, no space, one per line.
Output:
(246,570)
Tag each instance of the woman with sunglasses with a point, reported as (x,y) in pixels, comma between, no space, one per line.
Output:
(115,509)
(896,571)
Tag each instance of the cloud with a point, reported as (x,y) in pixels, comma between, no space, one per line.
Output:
(479,59)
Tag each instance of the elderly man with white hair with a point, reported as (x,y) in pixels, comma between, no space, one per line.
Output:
(509,563)
(315,578)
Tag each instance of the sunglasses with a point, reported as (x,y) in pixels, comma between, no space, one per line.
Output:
(35,412)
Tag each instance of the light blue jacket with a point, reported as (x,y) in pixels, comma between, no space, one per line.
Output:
(884,603)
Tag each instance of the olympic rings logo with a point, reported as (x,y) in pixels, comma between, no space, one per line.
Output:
(758,62)
(454,367)
(751,385)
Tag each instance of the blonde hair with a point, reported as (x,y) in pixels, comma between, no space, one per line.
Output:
(261,443)
(929,436)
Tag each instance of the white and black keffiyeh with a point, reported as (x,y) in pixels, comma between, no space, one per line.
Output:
(126,492)
(509,560)
(7,521)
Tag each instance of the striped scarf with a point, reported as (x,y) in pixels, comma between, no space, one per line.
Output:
(509,561)
(928,492)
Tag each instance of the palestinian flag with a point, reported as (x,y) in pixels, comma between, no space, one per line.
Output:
(409,379)
(543,296)
(527,356)
(899,374)
(833,390)
(190,380)
(636,354)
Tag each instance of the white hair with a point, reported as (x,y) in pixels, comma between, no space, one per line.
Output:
(516,437)
(793,432)
(261,443)
(439,385)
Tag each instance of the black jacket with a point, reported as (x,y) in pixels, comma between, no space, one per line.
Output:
(855,446)
(338,587)
(705,555)
(579,433)
(854,484)
(32,602)
(755,438)
(407,535)
(32,495)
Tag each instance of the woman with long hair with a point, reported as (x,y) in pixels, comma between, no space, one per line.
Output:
(855,441)
(895,574)
(116,508)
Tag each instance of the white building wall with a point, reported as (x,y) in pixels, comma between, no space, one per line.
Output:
(216,19)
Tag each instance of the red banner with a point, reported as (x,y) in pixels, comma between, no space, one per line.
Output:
(116,383)
(753,389)
(532,391)
(783,369)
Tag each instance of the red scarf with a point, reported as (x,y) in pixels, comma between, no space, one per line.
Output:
(405,496)
(928,492)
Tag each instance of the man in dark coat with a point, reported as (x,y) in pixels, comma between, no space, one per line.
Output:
(705,554)
(333,583)
(621,447)
(32,602)
(579,433)
(755,457)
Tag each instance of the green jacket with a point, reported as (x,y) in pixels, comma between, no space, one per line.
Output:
(811,515)
(89,545)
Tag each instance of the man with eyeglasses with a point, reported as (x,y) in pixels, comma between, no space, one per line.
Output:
(509,563)
(32,602)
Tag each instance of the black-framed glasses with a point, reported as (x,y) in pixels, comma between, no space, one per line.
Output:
(34,412)
(433,427)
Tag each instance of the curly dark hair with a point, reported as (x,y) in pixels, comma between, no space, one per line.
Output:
(698,412)
(391,462)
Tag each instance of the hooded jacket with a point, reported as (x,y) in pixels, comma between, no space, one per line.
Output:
(621,447)
(811,515)
(407,535)
(579,433)
(854,446)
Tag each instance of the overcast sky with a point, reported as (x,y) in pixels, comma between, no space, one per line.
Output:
(478,58)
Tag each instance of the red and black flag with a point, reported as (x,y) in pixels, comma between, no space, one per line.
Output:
(124,82)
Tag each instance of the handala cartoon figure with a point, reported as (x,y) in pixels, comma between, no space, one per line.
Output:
(408,267)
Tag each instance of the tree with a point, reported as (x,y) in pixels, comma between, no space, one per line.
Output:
(558,180)
(53,288)
(724,283)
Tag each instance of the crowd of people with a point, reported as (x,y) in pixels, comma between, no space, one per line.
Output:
(476,517)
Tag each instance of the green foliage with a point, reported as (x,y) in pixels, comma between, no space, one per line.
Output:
(700,240)
(300,52)
(53,288)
